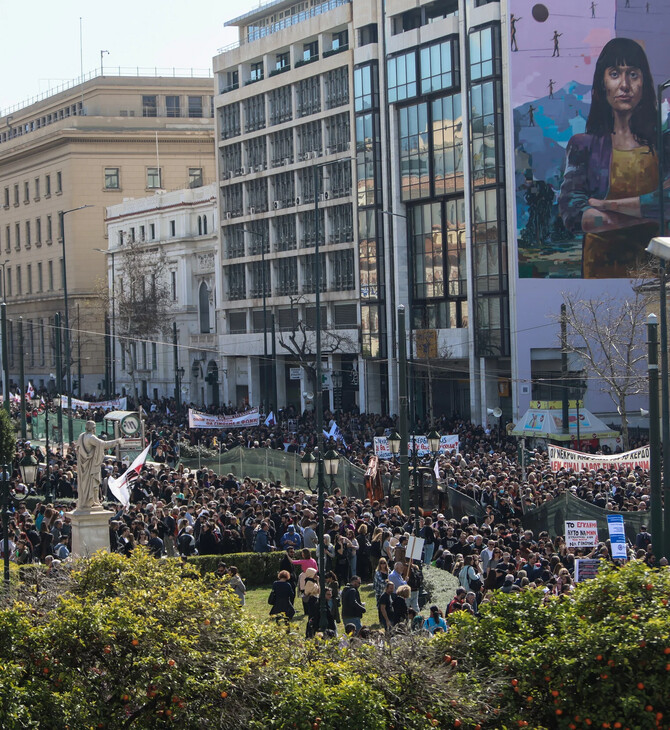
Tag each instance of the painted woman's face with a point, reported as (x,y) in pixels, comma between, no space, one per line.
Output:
(623,86)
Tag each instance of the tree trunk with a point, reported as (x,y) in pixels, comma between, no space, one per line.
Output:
(624,423)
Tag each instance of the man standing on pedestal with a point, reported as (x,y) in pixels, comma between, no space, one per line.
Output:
(90,455)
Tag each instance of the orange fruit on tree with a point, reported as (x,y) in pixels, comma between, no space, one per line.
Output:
(640,685)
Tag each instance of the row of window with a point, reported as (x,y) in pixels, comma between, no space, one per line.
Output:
(38,342)
(152,106)
(147,232)
(33,278)
(291,15)
(336,316)
(112,178)
(291,275)
(285,103)
(36,190)
(27,233)
(423,71)
(70,110)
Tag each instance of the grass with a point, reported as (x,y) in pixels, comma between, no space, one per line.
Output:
(257,605)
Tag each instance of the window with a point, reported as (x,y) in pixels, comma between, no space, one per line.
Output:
(447,126)
(8,239)
(280,105)
(6,197)
(401,73)
(37,188)
(286,277)
(28,235)
(342,270)
(17,236)
(149,106)
(29,278)
(282,61)
(173,228)
(19,281)
(8,280)
(233,237)
(195,107)
(366,90)
(153,178)
(112,178)
(368,34)
(38,231)
(26,192)
(310,51)
(308,93)
(414,166)
(232,81)
(40,278)
(486,124)
(309,273)
(154,356)
(237,323)
(173,285)
(336,87)
(236,282)
(340,41)
(195,177)
(256,71)
(230,120)
(152,231)
(254,113)
(47,185)
(483,61)
(49,229)
(437,67)
(16,194)
(50,272)
(59,182)
(172,106)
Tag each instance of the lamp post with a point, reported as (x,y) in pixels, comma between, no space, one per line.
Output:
(654,439)
(28,467)
(264,241)
(308,468)
(113,332)
(331,462)
(403,403)
(68,364)
(5,354)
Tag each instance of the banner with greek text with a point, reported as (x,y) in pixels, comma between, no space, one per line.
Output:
(118,404)
(237,420)
(560,458)
(448,443)
(581,533)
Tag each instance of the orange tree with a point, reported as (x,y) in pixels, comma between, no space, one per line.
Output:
(599,659)
(144,643)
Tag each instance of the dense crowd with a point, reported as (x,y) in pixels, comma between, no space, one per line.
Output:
(177,511)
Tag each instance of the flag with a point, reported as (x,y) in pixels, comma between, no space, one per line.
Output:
(120,487)
(30,391)
(436,469)
(270,420)
(167,409)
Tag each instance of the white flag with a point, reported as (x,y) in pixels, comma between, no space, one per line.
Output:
(436,469)
(270,420)
(120,487)
(30,391)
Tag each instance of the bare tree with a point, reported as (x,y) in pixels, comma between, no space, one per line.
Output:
(608,335)
(300,341)
(142,302)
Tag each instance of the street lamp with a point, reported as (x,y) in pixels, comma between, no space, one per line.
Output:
(5,354)
(179,376)
(28,467)
(113,333)
(68,365)
(434,441)
(331,462)
(394,442)
(660,247)
(308,468)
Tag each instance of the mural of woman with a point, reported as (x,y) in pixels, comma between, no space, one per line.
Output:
(609,191)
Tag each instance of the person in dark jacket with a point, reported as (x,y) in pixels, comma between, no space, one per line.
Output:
(281,596)
(353,607)
(206,542)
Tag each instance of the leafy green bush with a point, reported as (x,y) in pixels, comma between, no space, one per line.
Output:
(256,569)
(598,659)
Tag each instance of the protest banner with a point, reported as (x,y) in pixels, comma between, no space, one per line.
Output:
(448,443)
(560,458)
(617,537)
(586,569)
(196,419)
(118,404)
(581,533)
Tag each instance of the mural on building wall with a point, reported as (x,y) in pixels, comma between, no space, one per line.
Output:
(583,77)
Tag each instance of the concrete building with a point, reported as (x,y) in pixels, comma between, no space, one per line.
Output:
(88,146)
(460,115)
(178,231)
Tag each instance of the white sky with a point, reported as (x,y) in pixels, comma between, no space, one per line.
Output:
(39,41)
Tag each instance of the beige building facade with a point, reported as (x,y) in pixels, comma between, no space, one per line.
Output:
(70,156)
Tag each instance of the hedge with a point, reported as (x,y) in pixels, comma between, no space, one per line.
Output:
(256,569)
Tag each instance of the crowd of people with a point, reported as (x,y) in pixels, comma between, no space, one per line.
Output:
(177,511)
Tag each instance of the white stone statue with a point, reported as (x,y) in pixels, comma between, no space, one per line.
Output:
(90,455)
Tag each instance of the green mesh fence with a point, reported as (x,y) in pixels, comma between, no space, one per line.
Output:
(551,516)
(270,464)
(38,427)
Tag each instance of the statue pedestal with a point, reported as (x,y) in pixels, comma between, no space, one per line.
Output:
(90,530)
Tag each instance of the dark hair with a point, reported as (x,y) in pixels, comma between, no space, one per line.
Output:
(623,52)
